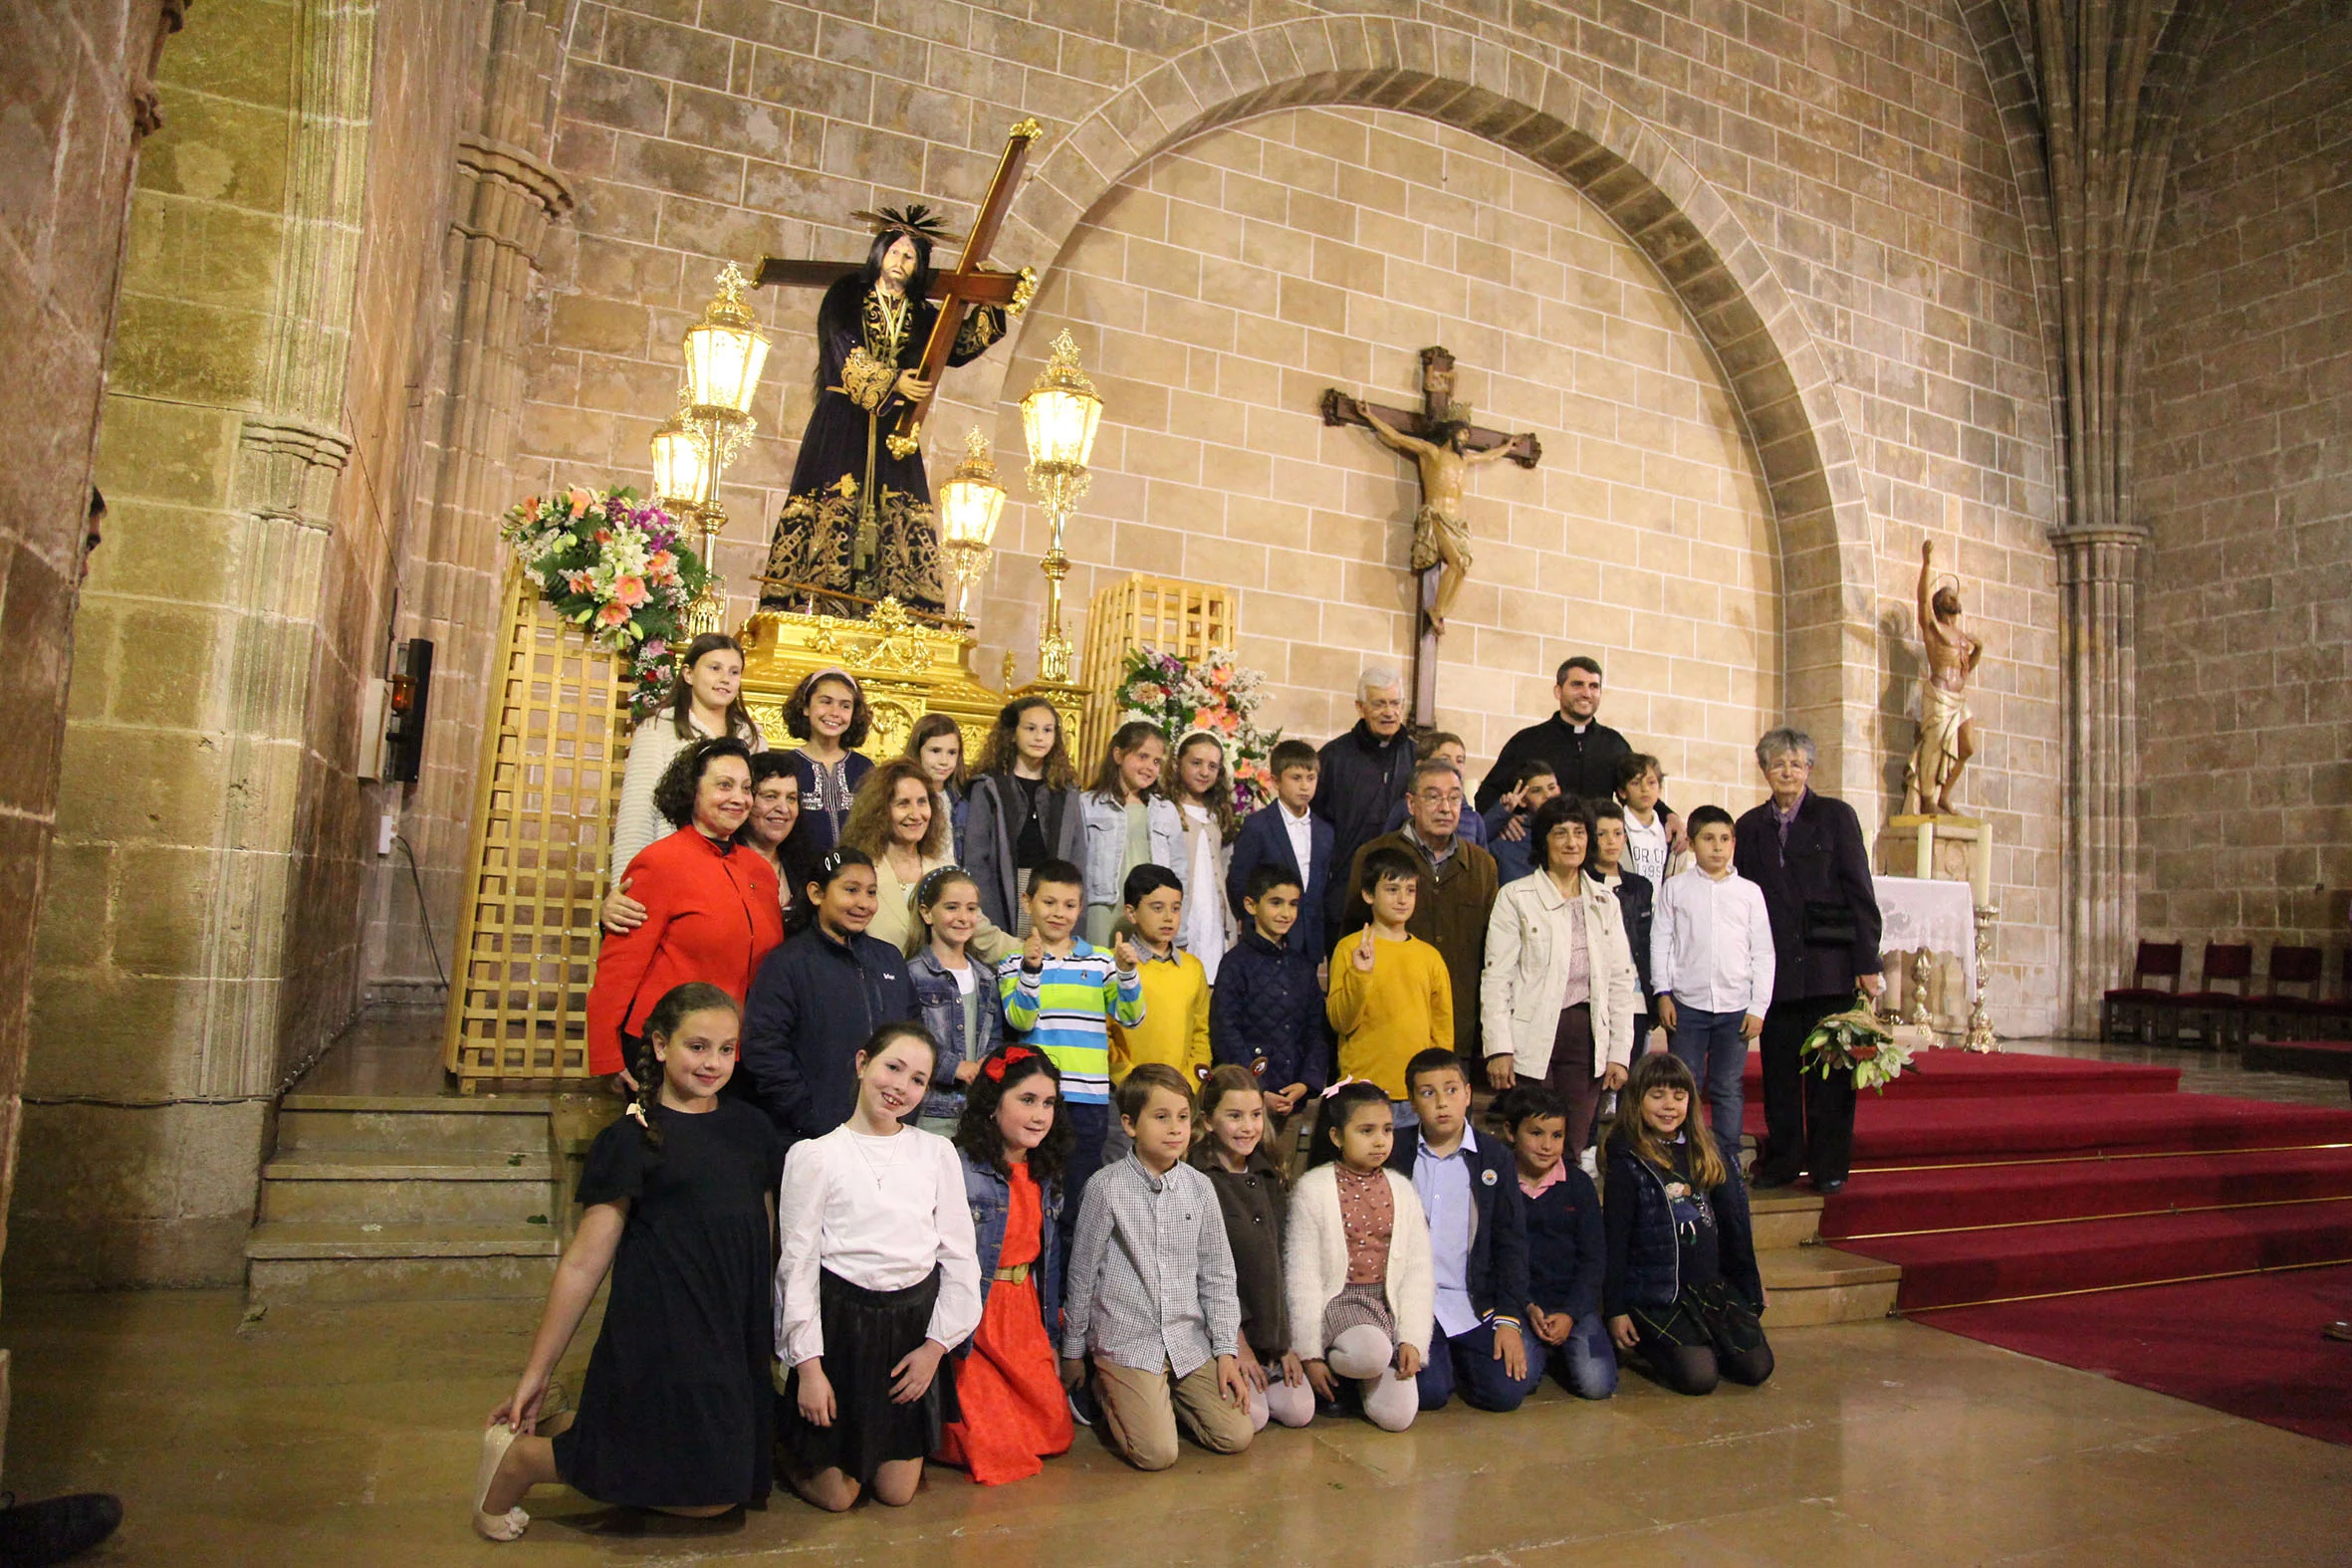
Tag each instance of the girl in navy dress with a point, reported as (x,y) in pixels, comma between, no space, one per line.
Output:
(676,1413)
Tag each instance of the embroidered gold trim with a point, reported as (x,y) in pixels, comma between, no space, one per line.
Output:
(867,380)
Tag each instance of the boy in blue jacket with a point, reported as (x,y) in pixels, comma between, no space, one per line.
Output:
(1265,1011)
(1568,1247)
(1478,1243)
(1277,835)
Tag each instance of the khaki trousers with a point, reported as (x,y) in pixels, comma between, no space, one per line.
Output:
(1139,1412)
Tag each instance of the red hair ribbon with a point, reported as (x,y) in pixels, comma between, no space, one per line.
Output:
(996,1065)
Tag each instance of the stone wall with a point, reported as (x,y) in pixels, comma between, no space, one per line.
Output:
(201,936)
(74,107)
(2244,469)
(1848,182)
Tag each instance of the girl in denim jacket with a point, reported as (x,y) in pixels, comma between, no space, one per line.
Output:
(1015,1144)
(955,993)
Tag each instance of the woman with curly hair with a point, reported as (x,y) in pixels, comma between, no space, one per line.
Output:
(713,908)
(1015,1142)
(894,817)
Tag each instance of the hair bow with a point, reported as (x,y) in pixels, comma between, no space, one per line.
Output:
(636,1111)
(996,1065)
(1342,1084)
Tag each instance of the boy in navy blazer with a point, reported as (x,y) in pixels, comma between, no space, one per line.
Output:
(1478,1243)
(1273,836)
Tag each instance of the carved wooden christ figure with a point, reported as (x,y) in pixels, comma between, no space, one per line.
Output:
(1445,442)
(1947,735)
(858,525)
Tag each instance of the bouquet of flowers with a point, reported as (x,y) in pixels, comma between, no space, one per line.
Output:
(1212,693)
(1859,1041)
(618,569)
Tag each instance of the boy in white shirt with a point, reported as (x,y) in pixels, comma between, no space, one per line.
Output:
(1712,959)
(1649,848)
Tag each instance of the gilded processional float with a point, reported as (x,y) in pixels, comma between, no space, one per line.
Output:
(607,590)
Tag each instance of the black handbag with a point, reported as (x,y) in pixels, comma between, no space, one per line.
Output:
(1829,923)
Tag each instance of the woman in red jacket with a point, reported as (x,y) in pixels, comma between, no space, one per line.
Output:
(712,907)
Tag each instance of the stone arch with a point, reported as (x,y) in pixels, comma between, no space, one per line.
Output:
(1777,377)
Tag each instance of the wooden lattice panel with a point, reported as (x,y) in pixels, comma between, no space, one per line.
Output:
(1160,613)
(552,745)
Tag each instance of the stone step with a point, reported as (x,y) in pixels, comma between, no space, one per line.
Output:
(357,1187)
(1784,1219)
(1809,1286)
(319,1261)
(506,1124)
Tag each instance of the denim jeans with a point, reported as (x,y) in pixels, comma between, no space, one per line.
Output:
(1091,1123)
(1709,1045)
(1587,1362)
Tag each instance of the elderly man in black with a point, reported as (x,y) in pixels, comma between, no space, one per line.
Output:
(1805,851)
(1360,778)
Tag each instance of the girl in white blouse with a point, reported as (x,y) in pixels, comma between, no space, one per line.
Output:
(880,1280)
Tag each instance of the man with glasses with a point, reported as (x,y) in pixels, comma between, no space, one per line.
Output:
(1458,883)
(1360,776)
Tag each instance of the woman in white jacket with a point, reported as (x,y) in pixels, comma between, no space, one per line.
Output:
(1356,1263)
(1558,995)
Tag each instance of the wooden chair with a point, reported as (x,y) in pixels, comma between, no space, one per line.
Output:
(2137,1008)
(2218,1016)
(2277,1014)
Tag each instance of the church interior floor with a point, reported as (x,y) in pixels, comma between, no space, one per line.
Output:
(348,1436)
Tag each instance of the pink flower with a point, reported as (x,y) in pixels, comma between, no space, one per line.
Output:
(577,582)
(629,591)
(581,499)
(530,506)
(655,648)
(661,564)
(613,614)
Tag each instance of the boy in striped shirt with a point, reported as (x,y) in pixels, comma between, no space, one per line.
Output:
(1059,994)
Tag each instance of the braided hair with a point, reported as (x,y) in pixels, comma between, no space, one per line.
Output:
(675,1007)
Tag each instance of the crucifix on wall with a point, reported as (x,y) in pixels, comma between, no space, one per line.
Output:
(1445,442)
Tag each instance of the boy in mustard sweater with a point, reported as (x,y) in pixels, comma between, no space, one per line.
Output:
(1390,997)
(1175,1024)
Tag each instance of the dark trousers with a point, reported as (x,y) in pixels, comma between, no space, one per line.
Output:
(1465,1363)
(1808,1119)
(1570,1074)
(1091,1123)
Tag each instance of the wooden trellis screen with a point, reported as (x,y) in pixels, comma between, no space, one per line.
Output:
(1159,613)
(553,744)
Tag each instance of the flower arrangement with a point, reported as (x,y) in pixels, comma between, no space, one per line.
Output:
(618,569)
(1214,693)
(1859,1041)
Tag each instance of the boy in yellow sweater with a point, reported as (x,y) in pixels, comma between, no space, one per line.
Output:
(1175,1027)
(1390,997)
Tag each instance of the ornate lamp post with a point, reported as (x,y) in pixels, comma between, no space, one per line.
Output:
(1057,418)
(969,504)
(724,355)
(679,476)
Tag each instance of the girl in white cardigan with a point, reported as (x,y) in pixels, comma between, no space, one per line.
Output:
(1558,995)
(705,703)
(879,1281)
(1356,1261)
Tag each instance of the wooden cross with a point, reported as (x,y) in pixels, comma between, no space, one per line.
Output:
(970,283)
(1431,422)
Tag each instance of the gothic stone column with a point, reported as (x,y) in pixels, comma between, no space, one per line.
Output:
(2098,640)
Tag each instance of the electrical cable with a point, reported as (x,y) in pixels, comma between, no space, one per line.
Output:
(423,916)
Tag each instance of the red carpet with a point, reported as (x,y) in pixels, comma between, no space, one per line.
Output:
(2248,1346)
(1994,1178)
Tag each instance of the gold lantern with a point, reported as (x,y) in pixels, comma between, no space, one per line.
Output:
(725,352)
(969,505)
(1058,420)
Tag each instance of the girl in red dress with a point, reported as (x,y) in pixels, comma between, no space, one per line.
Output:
(1015,1142)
